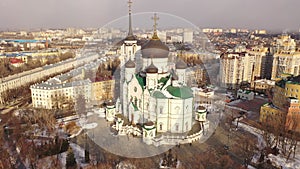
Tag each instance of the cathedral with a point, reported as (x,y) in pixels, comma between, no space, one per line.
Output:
(152,91)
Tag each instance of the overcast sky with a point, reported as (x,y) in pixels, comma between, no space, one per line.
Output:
(261,14)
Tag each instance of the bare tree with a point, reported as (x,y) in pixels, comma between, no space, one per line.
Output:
(293,137)
(80,105)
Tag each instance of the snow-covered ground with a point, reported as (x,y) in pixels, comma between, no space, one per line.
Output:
(84,126)
(100,112)
(79,154)
(78,151)
(89,114)
(90,126)
(281,161)
(62,158)
(278,160)
(251,167)
(76,134)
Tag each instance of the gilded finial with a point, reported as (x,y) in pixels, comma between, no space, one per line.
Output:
(155,18)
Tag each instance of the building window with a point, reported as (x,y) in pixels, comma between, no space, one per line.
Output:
(187,126)
(135,89)
(177,127)
(177,109)
(160,126)
(135,101)
(161,109)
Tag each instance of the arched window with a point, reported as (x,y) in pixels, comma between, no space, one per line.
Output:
(135,101)
(134,48)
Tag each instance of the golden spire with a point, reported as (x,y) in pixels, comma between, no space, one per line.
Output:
(155,18)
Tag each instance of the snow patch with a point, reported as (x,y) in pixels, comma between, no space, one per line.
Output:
(279,160)
(89,114)
(90,126)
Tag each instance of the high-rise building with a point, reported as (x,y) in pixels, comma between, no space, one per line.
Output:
(261,55)
(235,67)
(188,36)
(286,58)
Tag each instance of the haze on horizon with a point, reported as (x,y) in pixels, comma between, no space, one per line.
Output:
(252,14)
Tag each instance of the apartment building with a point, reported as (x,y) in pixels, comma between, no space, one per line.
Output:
(285,107)
(235,67)
(54,95)
(286,58)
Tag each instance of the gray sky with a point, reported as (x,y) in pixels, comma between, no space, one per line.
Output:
(262,14)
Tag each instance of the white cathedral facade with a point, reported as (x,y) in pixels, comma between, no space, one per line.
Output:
(153,91)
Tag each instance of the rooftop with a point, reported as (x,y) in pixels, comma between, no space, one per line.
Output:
(183,92)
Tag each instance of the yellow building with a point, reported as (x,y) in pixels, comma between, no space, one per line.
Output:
(285,107)
(103,90)
(271,115)
(262,85)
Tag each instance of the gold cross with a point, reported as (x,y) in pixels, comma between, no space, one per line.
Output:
(155,18)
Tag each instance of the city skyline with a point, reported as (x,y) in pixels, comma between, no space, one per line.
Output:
(34,14)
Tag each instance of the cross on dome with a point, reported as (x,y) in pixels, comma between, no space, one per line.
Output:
(155,18)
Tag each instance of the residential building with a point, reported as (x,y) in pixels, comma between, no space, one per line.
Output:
(245,94)
(36,74)
(284,109)
(54,95)
(188,36)
(235,67)
(203,96)
(103,90)
(260,54)
(262,85)
(286,58)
